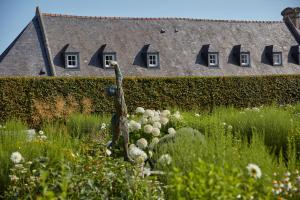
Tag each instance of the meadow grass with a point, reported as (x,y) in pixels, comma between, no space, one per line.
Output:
(83,125)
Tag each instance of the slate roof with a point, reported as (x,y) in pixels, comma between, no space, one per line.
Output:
(180,45)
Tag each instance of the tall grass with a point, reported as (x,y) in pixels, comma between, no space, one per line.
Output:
(82,125)
(224,150)
(13,138)
(276,124)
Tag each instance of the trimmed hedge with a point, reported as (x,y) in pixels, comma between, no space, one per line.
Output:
(19,94)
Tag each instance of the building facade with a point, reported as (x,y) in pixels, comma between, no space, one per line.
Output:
(65,45)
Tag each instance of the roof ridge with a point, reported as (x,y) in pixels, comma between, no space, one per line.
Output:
(159,18)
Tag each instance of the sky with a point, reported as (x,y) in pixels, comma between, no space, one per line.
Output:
(16,14)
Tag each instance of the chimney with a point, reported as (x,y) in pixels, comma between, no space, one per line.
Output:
(292,15)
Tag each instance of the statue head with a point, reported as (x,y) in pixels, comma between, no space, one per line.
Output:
(113,63)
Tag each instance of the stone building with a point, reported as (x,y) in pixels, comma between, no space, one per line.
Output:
(65,45)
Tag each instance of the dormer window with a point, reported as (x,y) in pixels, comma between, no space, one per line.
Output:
(245,59)
(277,59)
(107,57)
(72,60)
(152,59)
(213,59)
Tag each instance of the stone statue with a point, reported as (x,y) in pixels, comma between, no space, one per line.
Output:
(119,120)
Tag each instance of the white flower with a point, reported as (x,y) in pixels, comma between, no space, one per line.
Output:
(13,177)
(156,113)
(108,152)
(155,132)
(157,125)
(30,134)
(16,157)
(44,137)
(197,115)
(147,171)
(165,159)
(171,131)
(287,174)
(148,128)
(41,132)
(229,127)
(165,113)
(154,119)
(148,113)
(177,115)
(140,110)
(254,170)
(164,120)
(154,142)
(144,120)
(103,126)
(133,126)
(137,153)
(142,143)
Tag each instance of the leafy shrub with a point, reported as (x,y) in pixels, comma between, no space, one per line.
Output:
(91,175)
(21,97)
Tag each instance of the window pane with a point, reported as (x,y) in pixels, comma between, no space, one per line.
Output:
(245,59)
(277,59)
(153,60)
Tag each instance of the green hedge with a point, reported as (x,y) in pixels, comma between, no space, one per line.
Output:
(18,94)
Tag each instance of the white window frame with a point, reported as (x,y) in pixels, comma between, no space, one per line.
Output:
(245,59)
(152,60)
(277,59)
(215,59)
(72,61)
(106,61)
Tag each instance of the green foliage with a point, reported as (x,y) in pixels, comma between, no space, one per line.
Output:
(55,145)
(80,125)
(90,175)
(209,181)
(19,95)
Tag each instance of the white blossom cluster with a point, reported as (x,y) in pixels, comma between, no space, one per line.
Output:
(151,125)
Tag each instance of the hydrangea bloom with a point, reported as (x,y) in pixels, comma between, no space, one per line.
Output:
(171,131)
(254,170)
(154,119)
(165,113)
(133,125)
(16,157)
(144,120)
(165,159)
(157,125)
(148,128)
(148,113)
(136,153)
(164,120)
(142,143)
(155,132)
(139,110)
